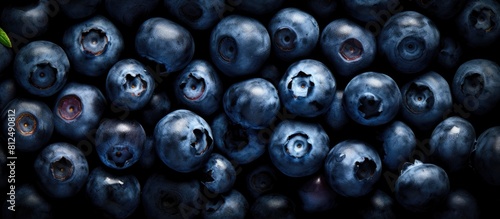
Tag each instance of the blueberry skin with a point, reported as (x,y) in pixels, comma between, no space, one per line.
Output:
(323,9)
(78,110)
(129,84)
(239,45)
(27,21)
(476,84)
(450,53)
(165,42)
(372,98)
(80,9)
(485,157)
(30,204)
(460,203)
(6,58)
(371,11)
(298,148)
(348,46)
(294,33)
(198,15)
(232,204)
(148,156)
(33,123)
(158,106)
(253,103)
(307,88)
(316,195)
(93,45)
(421,187)
(130,13)
(352,168)
(166,197)
(119,143)
(219,174)
(257,7)
(379,205)
(41,68)
(241,145)
(273,205)
(398,143)
(409,41)
(336,117)
(8,91)
(426,99)
(477,23)
(199,88)
(183,140)
(115,195)
(61,170)
(442,10)
(451,143)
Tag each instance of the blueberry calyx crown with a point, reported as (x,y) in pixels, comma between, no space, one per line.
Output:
(94,42)
(300,85)
(297,145)
(69,107)
(193,87)
(285,39)
(482,19)
(473,85)
(135,84)
(202,141)
(370,106)
(43,76)
(191,11)
(26,124)
(62,169)
(351,49)
(364,169)
(419,98)
(228,49)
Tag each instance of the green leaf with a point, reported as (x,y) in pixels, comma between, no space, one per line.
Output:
(4,39)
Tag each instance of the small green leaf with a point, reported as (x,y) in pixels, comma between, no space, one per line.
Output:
(4,39)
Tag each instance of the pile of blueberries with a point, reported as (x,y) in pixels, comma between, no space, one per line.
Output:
(250,108)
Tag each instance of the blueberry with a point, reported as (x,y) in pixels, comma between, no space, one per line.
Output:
(298,148)
(30,204)
(460,203)
(451,143)
(6,57)
(426,99)
(32,123)
(262,180)
(8,91)
(199,88)
(398,144)
(409,41)
(61,170)
(475,85)
(80,9)
(93,45)
(421,187)
(371,11)
(119,143)
(198,15)
(27,21)
(117,196)
(323,9)
(348,46)
(307,88)
(165,42)
(239,45)
(317,196)
(273,205)
(78,110)
(232,204)
(442,10)
(294,33)
(41,68)
(336,117)
(477,23)
(252,103)
(131,13)
(372,98)
(129,85)
(183,140)
(257,7)
(158,106)
(485,158)
(219,174)
(166,197)
(450,53)
(352,168)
